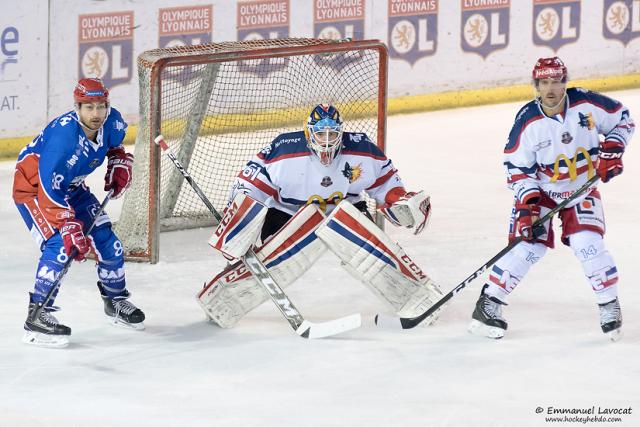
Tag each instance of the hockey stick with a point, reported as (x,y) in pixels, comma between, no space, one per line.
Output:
(304,328)
(410,322)
(65,267)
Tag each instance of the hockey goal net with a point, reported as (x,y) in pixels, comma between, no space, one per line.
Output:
(217,105)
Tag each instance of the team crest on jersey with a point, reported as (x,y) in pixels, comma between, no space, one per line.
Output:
(412,29)
(566,138)
(184,26)
(335,21)
(352,173)
(485,29)
(586,120)
(326,181)
(556,23)
(105,46)
(618,20)
(260,20)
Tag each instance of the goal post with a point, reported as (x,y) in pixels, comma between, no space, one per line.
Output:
(217,105)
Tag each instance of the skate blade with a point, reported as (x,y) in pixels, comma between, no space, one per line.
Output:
(124,325)
(615,335)
(479,328)
(43,340)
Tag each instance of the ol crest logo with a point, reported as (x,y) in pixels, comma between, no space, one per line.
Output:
(413,29)
(484,29)
(556,23)
(620,20)
(352,173)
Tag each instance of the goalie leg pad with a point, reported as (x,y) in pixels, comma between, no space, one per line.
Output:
(240,226)
(287,255)
(374,259)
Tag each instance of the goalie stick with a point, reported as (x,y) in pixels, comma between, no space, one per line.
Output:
(302,327)
(411,322)
(65,267)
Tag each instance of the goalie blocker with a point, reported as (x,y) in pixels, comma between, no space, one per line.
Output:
(367,253)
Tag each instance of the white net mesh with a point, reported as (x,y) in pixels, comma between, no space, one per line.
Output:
(218,111)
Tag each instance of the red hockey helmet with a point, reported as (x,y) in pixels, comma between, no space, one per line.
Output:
(90,90)
(549,68)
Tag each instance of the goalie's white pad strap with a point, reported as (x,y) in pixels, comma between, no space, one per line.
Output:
(383,266)
(287,255)
(240,226)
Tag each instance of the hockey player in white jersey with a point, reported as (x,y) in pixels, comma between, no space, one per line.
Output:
(553,149)
(304,193)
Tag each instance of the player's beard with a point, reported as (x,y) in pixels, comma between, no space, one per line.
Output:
(550,102)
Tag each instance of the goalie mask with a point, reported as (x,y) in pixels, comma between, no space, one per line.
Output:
(324,133)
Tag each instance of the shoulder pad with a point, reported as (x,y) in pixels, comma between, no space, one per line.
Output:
(284,144)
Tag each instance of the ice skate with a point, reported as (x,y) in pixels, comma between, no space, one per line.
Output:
(44,330)
(611,319)
(121,312)
(487,317)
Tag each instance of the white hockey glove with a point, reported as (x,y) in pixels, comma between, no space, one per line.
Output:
(240,226)
(413,210)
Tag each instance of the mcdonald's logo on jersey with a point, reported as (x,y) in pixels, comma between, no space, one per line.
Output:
(621,20)
(571,165)
(556,23)
(484,27)
(105,47)
(412,29)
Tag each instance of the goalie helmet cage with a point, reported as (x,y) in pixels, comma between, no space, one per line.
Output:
(217,105)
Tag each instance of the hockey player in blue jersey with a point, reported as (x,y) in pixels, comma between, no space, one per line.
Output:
(57,207)
(303,194)
(554,148)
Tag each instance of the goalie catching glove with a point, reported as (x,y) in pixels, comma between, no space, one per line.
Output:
(410,210)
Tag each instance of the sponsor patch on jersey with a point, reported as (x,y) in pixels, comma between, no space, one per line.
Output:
(352,173)
(566,138)
(586,121)
(326,181)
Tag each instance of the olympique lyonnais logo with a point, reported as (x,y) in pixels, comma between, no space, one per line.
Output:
(106,46)
(485,25)
(184,26)
(336,20)
(413,29)
(260,20)
(621,20)
(556,22)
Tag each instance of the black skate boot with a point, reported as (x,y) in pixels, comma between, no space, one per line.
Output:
(120,311)
(611,319)
(43,329)
(487,317)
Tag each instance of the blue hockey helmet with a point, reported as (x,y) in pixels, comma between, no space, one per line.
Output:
(324,132)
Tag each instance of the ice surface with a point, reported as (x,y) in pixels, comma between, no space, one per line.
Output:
(183,371)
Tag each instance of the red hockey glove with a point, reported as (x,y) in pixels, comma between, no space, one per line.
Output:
(610,160)
(526,215)
(119,169)
(411,210)
(73,237)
